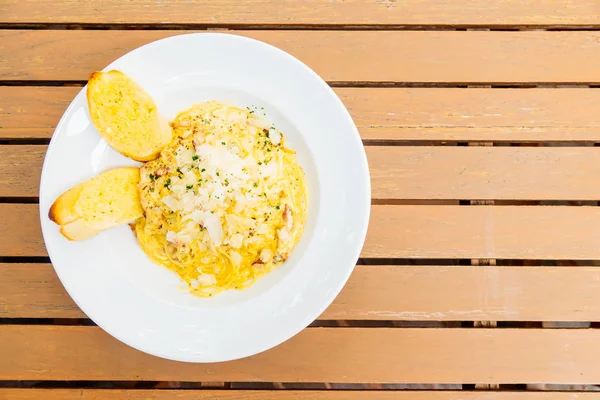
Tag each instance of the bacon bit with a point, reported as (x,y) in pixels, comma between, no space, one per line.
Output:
(287,218)
(196,143)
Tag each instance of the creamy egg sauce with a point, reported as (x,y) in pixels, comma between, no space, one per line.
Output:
(225,203)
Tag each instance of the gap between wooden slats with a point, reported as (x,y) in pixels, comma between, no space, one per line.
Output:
(311,12)
(141,394)
(414,173)
(398,114)
(319,355)
(407,293)
(508,232)
(337,56)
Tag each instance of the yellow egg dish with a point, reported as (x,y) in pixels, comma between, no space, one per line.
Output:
(225,202)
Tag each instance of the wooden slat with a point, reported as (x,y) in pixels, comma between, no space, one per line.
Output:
(455,293)
(498,232)
(141,394)
(415,173)
(484,173)
(519,232)
(415,355)
(456,114)
(321,12)
(445,114)
(22,167)
(363,56)
(32,112)
(421,293)
(20,231)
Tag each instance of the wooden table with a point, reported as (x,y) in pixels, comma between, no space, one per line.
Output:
(481,122)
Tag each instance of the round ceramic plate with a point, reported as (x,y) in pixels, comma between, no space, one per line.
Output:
(143,304)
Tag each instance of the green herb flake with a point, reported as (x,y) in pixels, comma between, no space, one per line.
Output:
(188,187)
(223,143)
(194,158)
(277,207)
(203,170)
(152,189)
(168,182)
(255,184)
(152,177)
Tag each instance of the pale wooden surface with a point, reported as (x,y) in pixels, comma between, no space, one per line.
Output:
(51,394)
(338,56)
(316,12)
(401,69)
(380,292)
(103,394)
(415,114)
(357,355)
(438,232)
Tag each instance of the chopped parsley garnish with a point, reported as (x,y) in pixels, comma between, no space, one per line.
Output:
(223,143)
(152,189)
(188,187)
(255,184)
(194,158)
(179,172)
(203,170)
(152,177)
(226,181)
(277,207)
(259,163)
(168,183)
(218,174)
(268,150)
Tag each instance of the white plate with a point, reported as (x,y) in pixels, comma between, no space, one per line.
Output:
(142,304)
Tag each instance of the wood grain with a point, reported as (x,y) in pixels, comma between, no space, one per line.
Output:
(141,394)
(490,232)
(415,173)
(320,12)
(21,167)
(32,112)
(339,56)
(402,231)
(318,355)
(382,114)
(484,173)
(20,231)
(419,293)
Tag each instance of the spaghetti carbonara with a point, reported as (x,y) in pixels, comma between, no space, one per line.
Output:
(225,203)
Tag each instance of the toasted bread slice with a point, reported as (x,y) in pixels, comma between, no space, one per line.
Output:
(104,201)
(126,116)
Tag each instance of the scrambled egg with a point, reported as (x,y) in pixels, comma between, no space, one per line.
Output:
(225,202)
